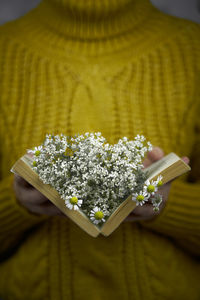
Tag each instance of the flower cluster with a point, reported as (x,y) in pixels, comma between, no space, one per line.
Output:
(149,192)
(95,176)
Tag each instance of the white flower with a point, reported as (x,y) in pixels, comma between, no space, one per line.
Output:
(150,187)
(73,203)
(97,215)
(87,167)
(140,198)
(159,181)
(30,151)
(156,201)
(36,150)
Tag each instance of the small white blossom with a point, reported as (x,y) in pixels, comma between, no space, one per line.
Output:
(156,201)
(150,187)
(73,203)
(159,181)
(97,215)
(91,174)
(140,198)
(36,150)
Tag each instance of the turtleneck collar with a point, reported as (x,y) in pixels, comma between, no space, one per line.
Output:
(94,19)
(91,27)
(91,6)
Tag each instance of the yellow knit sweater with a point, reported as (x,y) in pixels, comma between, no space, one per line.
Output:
(123,68)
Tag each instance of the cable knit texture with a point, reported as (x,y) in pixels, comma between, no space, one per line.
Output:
(123,68)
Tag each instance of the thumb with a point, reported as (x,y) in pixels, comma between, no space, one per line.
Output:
(156,154)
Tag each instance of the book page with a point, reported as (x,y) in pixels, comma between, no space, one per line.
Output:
(165,164)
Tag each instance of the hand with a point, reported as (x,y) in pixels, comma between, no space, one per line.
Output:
(146,211)
(32,199)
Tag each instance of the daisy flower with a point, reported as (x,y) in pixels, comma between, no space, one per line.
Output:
(140,198)
(97,215)
(73,203)
(156,201)
(102,175)
(36,150)
(150,187)
(159,181)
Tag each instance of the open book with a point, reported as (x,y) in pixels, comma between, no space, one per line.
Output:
(170,167)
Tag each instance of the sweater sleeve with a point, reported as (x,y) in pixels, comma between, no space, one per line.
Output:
(15,220)
(180,218)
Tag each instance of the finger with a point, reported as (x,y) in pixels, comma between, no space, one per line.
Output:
(132,218)
(27,192)
(156,154)
(147,162)
(51,210)
(152,156)
(22,182)
(35,197)
(186,159)
(48,209)
(143,211)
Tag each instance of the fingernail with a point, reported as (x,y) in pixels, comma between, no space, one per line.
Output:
(186,159)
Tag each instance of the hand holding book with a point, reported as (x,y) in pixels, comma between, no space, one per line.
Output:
(34,201)
(146,212)
(37,203)
(94,183)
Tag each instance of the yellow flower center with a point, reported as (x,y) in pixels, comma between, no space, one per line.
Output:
(98,215)
(160,183)
(69,152)
(34,163)
(140,198)
(74,200)
(37,153)
(151,188)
